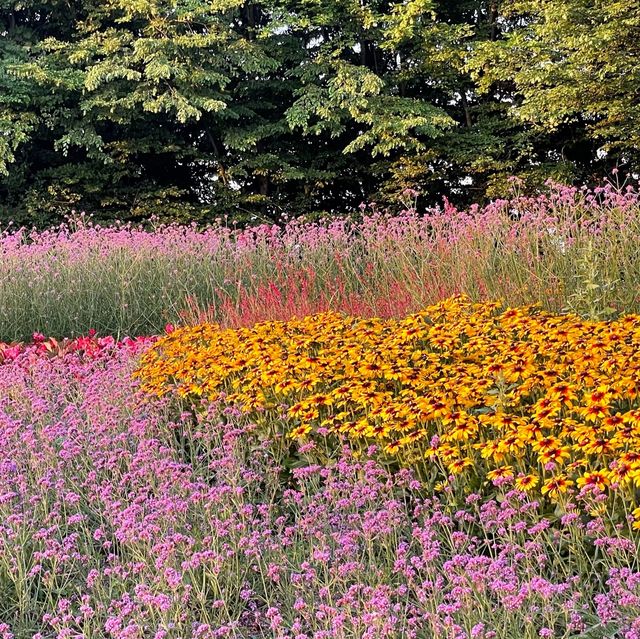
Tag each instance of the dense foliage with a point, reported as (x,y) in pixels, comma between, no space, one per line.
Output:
(190,109)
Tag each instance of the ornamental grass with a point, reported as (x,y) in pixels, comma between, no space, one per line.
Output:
(568,249)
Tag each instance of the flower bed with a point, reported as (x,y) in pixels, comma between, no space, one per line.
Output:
(121,519)
(460,390)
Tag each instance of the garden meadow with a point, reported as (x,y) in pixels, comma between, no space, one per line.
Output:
(420,424)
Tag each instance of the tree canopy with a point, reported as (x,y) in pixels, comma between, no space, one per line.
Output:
(192,109)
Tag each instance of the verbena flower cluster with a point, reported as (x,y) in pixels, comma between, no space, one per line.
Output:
(120,518)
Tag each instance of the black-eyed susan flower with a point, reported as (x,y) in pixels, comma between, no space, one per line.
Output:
(556,486)
(477,389)
(598,479)
(527,483)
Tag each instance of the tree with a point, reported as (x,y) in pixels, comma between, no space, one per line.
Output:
(140,97)
(190,109)
(573,65)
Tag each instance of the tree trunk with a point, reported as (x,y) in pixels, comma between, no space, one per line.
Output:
(465,106)
(493,20)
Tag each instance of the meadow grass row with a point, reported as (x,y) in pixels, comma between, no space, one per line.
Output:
(568,249)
